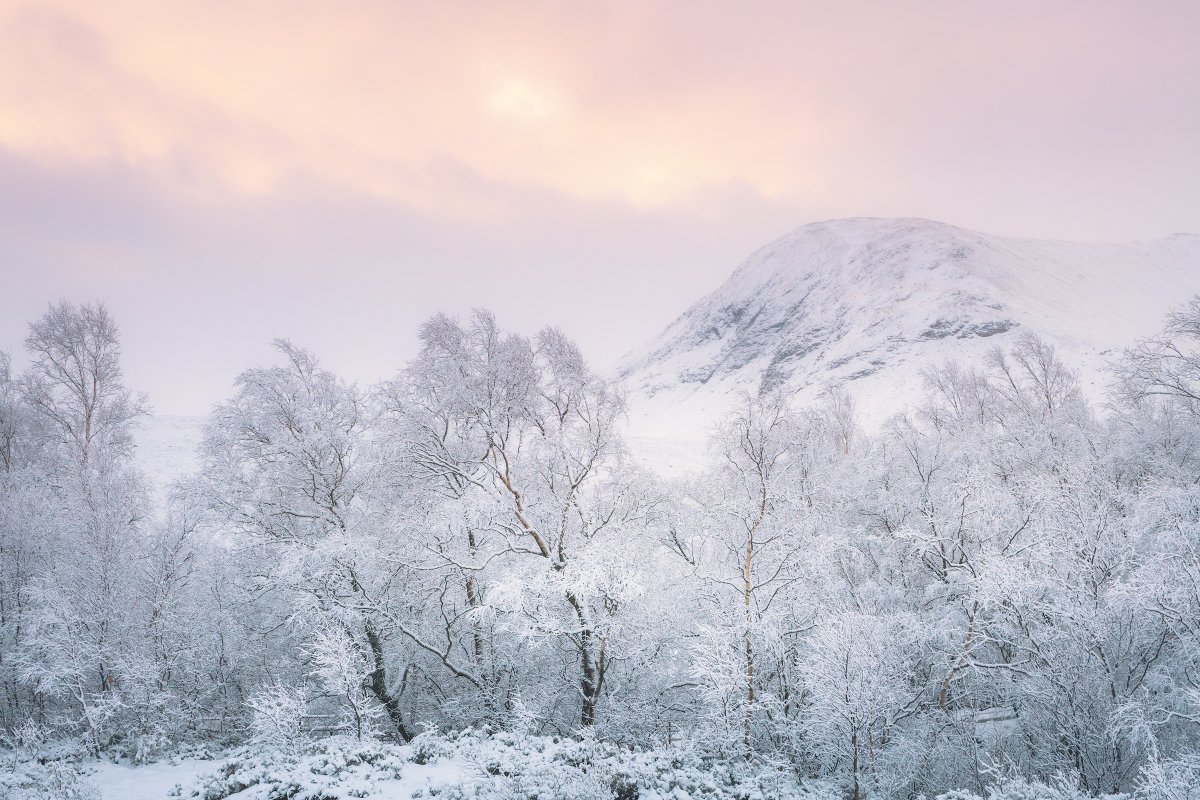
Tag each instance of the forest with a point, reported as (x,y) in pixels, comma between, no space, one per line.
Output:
(997,594)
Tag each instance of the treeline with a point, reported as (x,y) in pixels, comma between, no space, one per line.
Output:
(1002,582)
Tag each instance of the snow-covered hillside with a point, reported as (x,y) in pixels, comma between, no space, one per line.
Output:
(166,448)
(865,304)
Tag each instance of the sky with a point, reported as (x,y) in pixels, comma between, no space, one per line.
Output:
(224,173)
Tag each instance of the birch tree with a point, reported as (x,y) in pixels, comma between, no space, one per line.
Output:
(283,478)
(527,425)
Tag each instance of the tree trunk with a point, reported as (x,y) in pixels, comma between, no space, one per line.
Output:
(379,684)
(747,596)
(478,644)
(854,765)
(590,679)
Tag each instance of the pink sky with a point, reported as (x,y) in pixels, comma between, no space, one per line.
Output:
(224,172)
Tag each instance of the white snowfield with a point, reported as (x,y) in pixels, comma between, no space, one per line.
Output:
(866,304)
(178,779)
(147,781)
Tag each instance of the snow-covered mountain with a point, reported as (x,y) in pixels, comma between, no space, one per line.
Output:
(865,304)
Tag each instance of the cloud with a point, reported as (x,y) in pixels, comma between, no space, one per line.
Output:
(652,105)
(225,172)
(201,290)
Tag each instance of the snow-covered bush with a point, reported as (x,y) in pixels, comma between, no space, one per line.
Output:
(500,767)
(54,780)
(1018,788)
(278,722)
(343,670)
(36,766)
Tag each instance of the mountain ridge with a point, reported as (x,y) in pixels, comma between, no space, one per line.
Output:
(866,303)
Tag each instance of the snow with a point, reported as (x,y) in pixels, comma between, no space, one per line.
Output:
(329,769)
(167,448)
(864,304)
(505,767)
(502,766)
(144,782)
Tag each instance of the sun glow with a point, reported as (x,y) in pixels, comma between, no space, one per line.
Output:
(520,101)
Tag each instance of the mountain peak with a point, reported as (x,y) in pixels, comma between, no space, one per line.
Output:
(865,303)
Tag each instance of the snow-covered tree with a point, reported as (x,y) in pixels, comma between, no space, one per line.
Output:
(85,610)
(549,517)
(285,484)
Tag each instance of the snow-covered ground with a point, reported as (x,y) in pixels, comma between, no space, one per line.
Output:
(504,766)
(153,781)
(500,767)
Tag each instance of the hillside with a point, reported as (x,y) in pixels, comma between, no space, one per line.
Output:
(865,304)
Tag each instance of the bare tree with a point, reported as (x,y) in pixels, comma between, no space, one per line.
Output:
(1166,365)
(75,383)
(528,426)
(753,520)
(282,469)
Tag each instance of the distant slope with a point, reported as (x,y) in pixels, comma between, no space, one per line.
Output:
(167,448)
(865,304)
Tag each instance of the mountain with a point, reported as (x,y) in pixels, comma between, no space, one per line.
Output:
(865,304)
